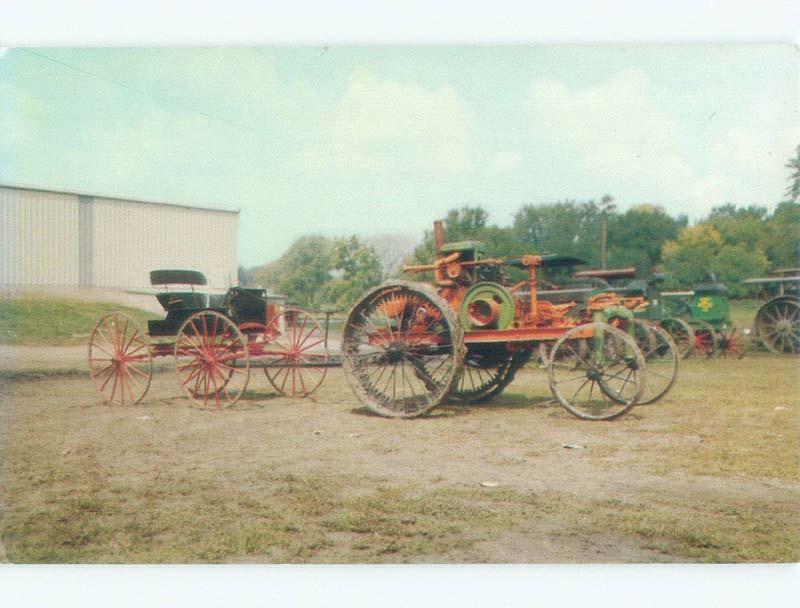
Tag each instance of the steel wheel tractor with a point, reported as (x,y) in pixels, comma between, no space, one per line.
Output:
(408,346)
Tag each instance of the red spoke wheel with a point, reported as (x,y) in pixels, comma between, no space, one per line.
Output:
(212,359)
(402,349)
(730,343)
(120,363)
(296,356)
(705,339)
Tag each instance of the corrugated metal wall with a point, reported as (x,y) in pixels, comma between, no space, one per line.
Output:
(49,238)
(38,238)
(129,239)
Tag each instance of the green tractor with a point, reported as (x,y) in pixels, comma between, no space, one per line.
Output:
(707,310)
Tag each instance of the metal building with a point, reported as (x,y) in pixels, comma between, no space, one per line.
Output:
(81,240)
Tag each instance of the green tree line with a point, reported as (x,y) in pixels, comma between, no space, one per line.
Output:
(733,242)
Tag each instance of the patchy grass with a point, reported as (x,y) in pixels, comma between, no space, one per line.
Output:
(709,474)
(40,320)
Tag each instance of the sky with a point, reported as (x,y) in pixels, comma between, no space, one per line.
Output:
(383,140)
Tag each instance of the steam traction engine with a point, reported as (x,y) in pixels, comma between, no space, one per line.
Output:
(407,346)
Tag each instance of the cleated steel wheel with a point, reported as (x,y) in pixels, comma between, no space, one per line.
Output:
(211,358)
(682,334)
(295,356)
(705,339)
(777,324)
(402,349)
(120,363)
(601,382)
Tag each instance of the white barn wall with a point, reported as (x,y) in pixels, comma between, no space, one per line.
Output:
(38,238)
(66,240)
(129,239)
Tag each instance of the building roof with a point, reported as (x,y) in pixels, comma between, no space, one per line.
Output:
(201,207)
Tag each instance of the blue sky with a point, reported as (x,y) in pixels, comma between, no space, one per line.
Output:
(384,140)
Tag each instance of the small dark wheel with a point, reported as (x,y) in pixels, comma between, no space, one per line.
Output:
(682,334)
(120,363)
(705,339)
(402,349)
(777,324)
(212,359)
(601,382)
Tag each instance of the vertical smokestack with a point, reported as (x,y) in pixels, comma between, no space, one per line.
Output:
(438,234)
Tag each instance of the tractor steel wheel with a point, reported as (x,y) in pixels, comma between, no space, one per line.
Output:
(682,334)
(120,363)
(705,339)
(730,343)
(778,325)
(212,359)
(488,370)
(584,382)
(402,349)
(296,356)
(660,356)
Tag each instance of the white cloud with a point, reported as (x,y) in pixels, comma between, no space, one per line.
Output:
(621,133)
(384,126)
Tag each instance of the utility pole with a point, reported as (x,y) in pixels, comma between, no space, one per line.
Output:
(605,207)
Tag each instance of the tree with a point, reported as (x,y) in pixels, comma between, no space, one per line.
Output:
(793,191)
(636,237)
(355,268)
(701,249)
(391,250)
(783,235)
(317,271)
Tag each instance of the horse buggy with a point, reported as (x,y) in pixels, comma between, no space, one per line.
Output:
(214,339)
(409,346)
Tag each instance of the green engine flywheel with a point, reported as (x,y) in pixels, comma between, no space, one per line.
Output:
(486,305)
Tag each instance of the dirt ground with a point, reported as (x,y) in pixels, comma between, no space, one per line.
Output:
(708,474)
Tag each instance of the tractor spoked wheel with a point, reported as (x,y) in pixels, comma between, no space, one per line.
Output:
(777,324)
(488,370)
(296,355)
(660,356)
(120,363)
(730,343)
(682,334)
(402,349)
(605,380)
(705,339)
(212,359)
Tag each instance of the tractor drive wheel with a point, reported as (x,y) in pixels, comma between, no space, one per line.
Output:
(296,357)
(211,358)
(402,349)
(682,334)
(120,363)
(777,324)
(705,339)
(601,382)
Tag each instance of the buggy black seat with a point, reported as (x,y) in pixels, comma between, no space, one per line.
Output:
(179,300)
